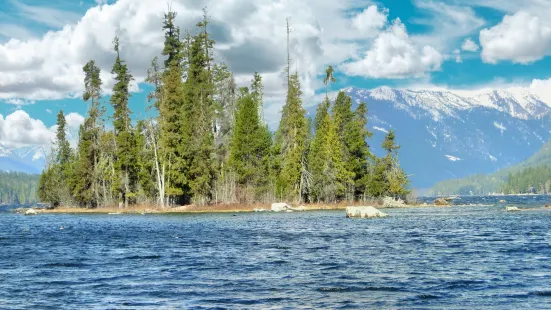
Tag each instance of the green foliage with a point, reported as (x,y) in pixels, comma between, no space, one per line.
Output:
(18,188)
(494,182)
(529,180)
(251,143)
(210,143)
(86,182)
(126,154)
(329,174)
(197,148)
(290,145)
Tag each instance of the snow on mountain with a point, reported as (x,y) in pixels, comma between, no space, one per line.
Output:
(28,159)
(485,130)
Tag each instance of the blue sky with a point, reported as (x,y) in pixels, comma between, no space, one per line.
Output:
(457,44)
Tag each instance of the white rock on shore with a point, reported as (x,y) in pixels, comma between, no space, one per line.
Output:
(364,212)
(280,207)
(390,202)
(30,212)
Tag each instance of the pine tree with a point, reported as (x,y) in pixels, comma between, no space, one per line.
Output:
(291,140)
(357,154)
(86,175)
(126,153)
(395,178)
(325,162)
(198,130)
(171,119)
(63,146)
(250,145)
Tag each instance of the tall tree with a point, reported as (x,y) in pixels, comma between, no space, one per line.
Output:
(251,145)
(291,141)
(198,111)
(63,146)
(395,178)
(151,133)
(86,174)
(171,120)
(357,153)
(325,160)
(126,153)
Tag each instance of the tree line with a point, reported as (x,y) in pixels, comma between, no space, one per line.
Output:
(18,188)
(209,142)
(533,180)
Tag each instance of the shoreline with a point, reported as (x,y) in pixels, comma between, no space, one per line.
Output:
(234,208)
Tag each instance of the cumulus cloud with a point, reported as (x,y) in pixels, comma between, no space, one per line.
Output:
(395,55)
(18,129)
(521,38)
(470,46)
(370,21)
(250,37)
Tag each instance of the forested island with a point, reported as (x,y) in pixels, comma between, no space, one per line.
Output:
(209,143)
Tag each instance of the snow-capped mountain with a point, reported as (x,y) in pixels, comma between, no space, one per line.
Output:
(452,134)
(28,159)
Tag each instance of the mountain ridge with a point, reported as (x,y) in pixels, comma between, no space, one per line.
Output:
(454,134)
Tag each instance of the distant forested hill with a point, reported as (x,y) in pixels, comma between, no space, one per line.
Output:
(18,188)
(519,178)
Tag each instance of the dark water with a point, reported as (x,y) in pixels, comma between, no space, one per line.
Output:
(458,258)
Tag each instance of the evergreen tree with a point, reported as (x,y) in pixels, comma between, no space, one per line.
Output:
(126,174)
(171,119)
(198,130)
(291,142)
(395,178)
(63,146)
(325,162)
(356,150)
(86,182)
(250,144)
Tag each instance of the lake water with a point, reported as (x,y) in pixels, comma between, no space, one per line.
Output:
(460,257)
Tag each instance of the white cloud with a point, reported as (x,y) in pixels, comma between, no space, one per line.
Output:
(74,120)
(448,23)
(15,31)
(395,55)
(521,38)
(457,54)
(45,15)
(370,21)
(18,101)
(470,46)
(19,129)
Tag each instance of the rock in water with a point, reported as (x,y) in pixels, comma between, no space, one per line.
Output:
(441,202)
(364,212)
(512,209)
(30,212)
(280,207)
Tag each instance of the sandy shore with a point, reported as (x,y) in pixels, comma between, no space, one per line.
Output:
(181,209)
(220,208)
